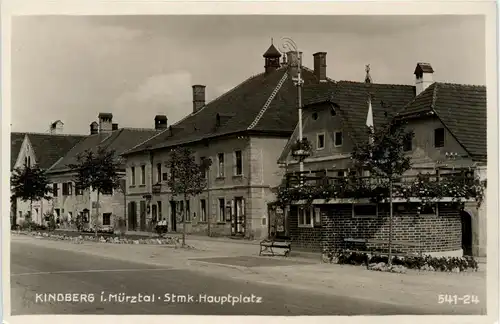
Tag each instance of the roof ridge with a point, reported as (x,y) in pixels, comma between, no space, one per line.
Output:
(434,97)
(374,83)
(460,84)
(48,134)
(269,100)
(144,142)
(138,129)
(312,71)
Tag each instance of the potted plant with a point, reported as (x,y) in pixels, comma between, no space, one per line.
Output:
(301,149)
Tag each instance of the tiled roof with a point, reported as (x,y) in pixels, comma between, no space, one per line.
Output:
(119,140)
(48,148)
(461,108)
(245,105)
(351,101)
(16,141)
(272,52)
(423,68)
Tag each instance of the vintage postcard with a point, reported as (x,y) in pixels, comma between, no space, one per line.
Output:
(249,159)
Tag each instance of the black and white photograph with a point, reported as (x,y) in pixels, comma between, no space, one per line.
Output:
(241,164)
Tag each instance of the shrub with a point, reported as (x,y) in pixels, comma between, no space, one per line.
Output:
(410,262)
(161,229)
(79,222)
(51,223)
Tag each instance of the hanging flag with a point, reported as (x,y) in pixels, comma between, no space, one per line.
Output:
(369,118)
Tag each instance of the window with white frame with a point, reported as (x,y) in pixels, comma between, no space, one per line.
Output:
(306,216)
(143,174)
(132,176)
(365,210)
(203,210)
(238,163)
(339,138)
(220,165)
(320,141)
(222,210)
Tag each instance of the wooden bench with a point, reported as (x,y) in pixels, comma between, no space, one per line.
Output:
(282,243)
(373,241)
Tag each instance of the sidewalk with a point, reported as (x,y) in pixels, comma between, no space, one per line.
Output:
(410,289)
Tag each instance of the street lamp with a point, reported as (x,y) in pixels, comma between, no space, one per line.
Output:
(288,45)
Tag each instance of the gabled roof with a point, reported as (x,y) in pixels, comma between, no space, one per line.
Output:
(16,141)
(351,101)
(48,148)
(262,103)
(272,52)
(461,108)
(119,140)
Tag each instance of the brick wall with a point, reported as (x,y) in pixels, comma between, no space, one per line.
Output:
(440,233)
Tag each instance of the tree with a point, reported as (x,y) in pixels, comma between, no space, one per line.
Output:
(384,157)
(97,171)
(186,177)
(30,183)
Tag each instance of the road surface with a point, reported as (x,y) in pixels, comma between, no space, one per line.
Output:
(50,281)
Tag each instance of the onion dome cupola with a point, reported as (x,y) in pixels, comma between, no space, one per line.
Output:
(272,58)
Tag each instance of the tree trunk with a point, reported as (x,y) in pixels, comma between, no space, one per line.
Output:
(389,262)
(97,214)
(184,224)
(31,212)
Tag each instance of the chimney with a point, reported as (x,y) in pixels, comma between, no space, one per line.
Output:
(198,97)
(423,77)
(114,126)
(161,122)
(94,128)
(56,127)
(320,66)
(105,122)
(294,61)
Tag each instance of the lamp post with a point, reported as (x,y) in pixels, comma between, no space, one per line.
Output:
(288,45)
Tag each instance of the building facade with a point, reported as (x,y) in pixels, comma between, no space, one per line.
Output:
(243,132)
(449,123)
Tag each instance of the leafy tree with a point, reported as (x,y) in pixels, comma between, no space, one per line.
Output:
(186,177)
(30,183)
(97,171)
(384,157)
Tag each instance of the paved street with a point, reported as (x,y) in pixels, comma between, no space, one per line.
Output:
(38,269)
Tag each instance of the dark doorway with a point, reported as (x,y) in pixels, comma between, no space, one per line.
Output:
(132,216)
(466,233)
(154,213)
(142,210)
(173,216)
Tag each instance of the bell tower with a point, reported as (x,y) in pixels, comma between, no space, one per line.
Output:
(272,59)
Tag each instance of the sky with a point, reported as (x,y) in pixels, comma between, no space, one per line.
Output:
(71,68)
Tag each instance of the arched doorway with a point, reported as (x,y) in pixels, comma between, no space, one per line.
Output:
(466,220)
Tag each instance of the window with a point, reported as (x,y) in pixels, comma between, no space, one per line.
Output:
(238,163)
(188,212)
(132,176)
(407,144)
(315,115)
(70,188)
(78,190)
(158,172)
(201,163)
(320,141)
(341,174)
(364,210)
(106,219)
(203,210)
(429,210)
(65,189)
(338,138)
(439,137)
(143,174)
(305,217)
(222,209)
(220,165)
(159,211)
(181,209)
(55,189)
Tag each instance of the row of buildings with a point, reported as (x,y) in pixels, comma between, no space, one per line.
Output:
(248,133)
